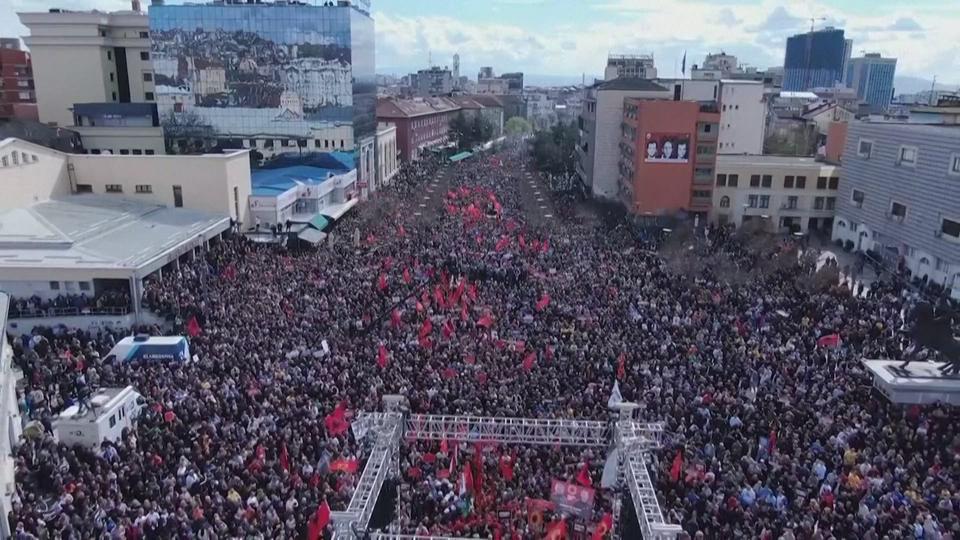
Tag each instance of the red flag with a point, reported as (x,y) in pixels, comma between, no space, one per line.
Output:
(448,329)
(444,446)
(521,241)
(529,360)
(406,276)
(557,530)
(336,422)
(455,297)
(193,327)
(773,442)
(622,366)
(506,467)
(430,458)
(319,521)
(486,321)
(449,373)
(502,243)
(382,357)
(583,477)
(545,245)
(472,292)
(401,231)
(464,315)
(603,527)
(676,467)
(284,457)
(478,470)
(388,263)
(382,282)
(425,328)
(482,377)
(425,342)
(543,302)
(419,306)
(438,297)
(395,318)
(831,341)
(348,466)
(230,272)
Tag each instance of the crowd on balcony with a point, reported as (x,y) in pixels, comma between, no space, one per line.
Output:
(82,303)
(468,309)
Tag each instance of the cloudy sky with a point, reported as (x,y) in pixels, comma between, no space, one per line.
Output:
(570,37)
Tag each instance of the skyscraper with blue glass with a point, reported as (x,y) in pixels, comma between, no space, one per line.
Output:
(872,77)
(815,59)
(274,77)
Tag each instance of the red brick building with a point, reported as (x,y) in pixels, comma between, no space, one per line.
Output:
(422,123)
(17,96)
(667,156)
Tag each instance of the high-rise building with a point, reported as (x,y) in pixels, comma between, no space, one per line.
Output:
(816,59)
(433,81)
(456,67)
(514,82)
(639,66)
(486,72)
(872,78)
(93,74)
(720,61)
(273,77)
(17,97)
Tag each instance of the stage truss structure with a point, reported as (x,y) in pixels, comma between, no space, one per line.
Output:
(631,440)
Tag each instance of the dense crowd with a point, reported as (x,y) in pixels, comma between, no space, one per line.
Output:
(469,309)
(35,306)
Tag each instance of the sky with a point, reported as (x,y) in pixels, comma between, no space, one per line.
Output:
(573,37)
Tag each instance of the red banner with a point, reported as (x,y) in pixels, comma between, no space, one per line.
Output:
(573,499)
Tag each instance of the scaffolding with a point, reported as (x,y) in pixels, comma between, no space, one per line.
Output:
(631,441)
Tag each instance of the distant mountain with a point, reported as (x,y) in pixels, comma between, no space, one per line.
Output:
(913,85)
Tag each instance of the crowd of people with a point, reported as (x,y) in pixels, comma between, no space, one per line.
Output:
(36,306)
(470,309)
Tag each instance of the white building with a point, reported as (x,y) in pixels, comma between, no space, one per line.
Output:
(639,66)
(743,114)
(12,423)
(796,194)
(77,60)
(388,156)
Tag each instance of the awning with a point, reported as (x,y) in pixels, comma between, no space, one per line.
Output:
(309,234)
(319,222)
(460,157)
(336,211)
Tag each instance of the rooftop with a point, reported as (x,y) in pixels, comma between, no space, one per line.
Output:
(630,83)
(270,182)
(405,108)
(754,159)
(97,232)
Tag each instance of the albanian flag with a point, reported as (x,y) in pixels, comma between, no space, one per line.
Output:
(543,302)
(383,358)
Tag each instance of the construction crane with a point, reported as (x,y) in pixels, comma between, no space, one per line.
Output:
(813,20)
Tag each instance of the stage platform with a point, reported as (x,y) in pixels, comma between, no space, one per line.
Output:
(918,383)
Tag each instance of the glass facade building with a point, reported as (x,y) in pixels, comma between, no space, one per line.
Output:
(267,76)
(815,60)
(872,77)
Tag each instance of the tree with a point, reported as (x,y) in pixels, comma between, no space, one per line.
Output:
(469,133)
(517,126)
(554,151)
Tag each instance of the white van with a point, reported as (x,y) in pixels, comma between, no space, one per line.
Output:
(110,410)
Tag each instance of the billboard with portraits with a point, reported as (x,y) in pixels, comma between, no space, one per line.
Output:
(666,148)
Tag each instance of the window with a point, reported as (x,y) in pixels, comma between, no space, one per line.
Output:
(109,53)
(54,285)
(955,164)
(766,181)
(700,194)
(84,188)
(864,148)
(721,180)
(148,77)
(236,202)
(149,152)
(834,183)
(801,182)
(792,201)
(84,285)
(831,203)
(724,202)
(764,201)
(144,188)
(788,182)
(113,420)
(16,158)
(95,151)
(898,211)
(113,188)
(4,161)
(144,55)
(752,201)
(907,156)
(819,203)
(144,34)
(111,77)
(733,180)
(857,198)
(113,95)
(148,96)
(178,196)
(821,182)
(124,152)
(755,180)
(284,142)
(341,143)
(137,152)
(950,228)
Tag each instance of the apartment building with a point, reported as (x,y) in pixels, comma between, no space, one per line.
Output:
(17,96)
(667,156)
(89,67)
(901,197)
(422,123)
(793,194)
